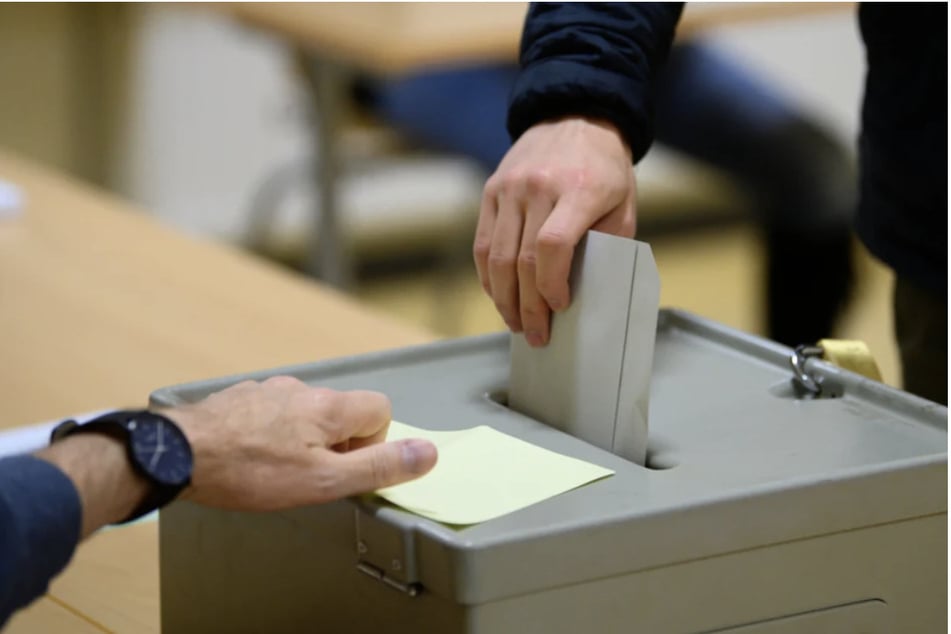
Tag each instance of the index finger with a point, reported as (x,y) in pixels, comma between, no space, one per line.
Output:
(557,239)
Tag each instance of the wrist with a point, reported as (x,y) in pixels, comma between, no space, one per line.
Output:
(99,468)
(604,131)
(609,129)
(136,451)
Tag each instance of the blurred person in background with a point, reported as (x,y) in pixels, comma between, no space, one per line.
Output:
(581,113)
(799,178)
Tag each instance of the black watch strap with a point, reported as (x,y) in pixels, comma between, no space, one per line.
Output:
(117,425)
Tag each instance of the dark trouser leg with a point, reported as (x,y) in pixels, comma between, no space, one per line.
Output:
(921,327)
(808,279)
(455,109)
(798,177)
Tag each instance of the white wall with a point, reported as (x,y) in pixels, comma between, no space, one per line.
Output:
(213,108)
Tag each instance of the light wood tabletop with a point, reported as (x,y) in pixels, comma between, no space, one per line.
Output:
(100,305)
(401,36)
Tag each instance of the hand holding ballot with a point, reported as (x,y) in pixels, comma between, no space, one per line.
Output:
(281,443)
(560,179)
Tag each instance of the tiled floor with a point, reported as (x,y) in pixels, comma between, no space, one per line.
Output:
(713,273)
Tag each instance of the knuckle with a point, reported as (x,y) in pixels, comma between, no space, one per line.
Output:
(553,239)
(501,260)
(492,188)
(533,309)
(537,180)
(326,398)
(326,394)
(527,259)
(381,403)
(505,180)
(282,381)
(481,248)
(381,467)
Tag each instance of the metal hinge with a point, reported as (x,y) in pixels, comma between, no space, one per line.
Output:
(387,553)
(412,589)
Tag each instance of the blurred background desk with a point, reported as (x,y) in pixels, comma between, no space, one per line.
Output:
(101,304)
(398,37)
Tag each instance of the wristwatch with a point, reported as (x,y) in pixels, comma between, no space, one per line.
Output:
(157,448)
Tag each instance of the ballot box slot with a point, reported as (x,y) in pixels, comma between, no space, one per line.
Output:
(659,458)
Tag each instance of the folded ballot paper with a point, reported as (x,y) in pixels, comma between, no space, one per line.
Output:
(483,474)
(593,378)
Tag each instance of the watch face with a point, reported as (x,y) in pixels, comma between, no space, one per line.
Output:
(161,449)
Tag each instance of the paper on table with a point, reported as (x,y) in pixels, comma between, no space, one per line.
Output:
(483,474)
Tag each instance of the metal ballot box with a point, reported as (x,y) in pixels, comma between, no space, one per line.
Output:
(758,512)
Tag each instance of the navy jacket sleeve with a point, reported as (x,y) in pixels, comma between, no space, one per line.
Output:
(40,523)
(594,59)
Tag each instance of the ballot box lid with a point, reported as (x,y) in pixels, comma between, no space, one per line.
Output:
(736,461)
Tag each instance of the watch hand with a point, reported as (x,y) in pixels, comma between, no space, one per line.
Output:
(155,456)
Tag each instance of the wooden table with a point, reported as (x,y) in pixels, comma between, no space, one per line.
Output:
(397,37)
(99,305)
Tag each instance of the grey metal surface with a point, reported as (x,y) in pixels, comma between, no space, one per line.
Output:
(867,617)
(748,465)
(592,380)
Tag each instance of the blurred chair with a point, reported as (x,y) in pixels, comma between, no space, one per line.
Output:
(429,208)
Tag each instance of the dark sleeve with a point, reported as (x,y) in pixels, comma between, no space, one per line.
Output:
(594,59)
(40,523)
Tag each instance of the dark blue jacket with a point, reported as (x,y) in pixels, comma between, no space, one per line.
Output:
(40,520)
(599,60)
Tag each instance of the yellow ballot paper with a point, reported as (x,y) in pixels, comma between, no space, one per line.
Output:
(483,473)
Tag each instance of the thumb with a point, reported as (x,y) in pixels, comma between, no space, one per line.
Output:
(382,465)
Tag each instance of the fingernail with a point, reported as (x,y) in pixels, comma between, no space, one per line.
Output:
(534,338)
(556,304)
(418,455)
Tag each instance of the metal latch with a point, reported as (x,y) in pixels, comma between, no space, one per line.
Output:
(850,355)
(802,378)
(387,553)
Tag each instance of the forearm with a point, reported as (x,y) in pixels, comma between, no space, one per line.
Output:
(108,486)
(596,60)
